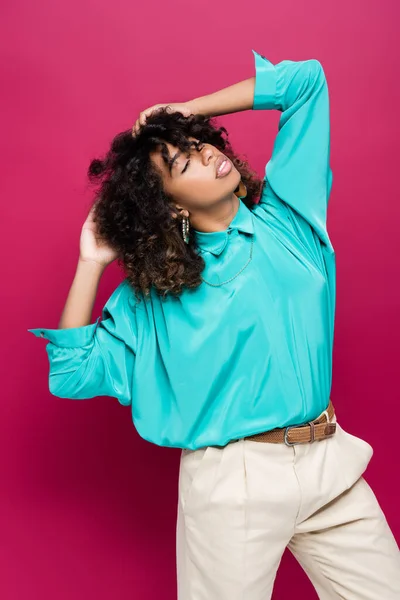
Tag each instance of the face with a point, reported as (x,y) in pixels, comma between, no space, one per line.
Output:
(193,181)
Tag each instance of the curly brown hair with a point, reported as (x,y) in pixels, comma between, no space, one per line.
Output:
(133,212)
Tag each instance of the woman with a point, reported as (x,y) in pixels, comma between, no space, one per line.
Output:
(220,340)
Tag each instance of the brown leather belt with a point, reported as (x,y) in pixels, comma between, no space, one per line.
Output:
(318,429)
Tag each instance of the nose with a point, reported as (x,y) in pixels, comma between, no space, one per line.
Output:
(207,154)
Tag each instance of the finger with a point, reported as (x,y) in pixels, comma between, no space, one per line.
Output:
(89,216)
(135,128)
(142,120)
(147,113)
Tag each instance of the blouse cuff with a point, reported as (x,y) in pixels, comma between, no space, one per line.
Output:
(265,84)
(71,337)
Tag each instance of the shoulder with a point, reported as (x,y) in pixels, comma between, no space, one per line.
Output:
(119,315)
(122,299)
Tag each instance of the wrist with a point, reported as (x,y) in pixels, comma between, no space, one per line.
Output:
(195,106)
(90,267)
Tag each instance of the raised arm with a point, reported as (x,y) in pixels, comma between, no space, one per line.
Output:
(93,359)
(96,359)
(298,171)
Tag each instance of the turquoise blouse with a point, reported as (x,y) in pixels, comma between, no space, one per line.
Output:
(220,363)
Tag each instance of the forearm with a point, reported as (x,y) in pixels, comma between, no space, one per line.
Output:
(234,98)
(82,294)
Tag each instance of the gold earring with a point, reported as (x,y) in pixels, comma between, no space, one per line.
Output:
(241,190)
(185,229)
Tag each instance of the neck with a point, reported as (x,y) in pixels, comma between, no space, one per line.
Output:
(216,217)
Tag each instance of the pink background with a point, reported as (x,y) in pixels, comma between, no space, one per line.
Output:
(87,507)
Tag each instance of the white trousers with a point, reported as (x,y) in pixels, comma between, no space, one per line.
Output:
(240,506)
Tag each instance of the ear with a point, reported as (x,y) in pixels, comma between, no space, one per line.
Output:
(182,212)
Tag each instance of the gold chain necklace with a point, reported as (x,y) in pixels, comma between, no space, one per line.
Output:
(242,269)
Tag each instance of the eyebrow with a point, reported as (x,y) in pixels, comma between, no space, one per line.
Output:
(172,162)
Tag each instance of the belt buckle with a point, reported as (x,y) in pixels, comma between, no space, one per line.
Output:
(330,429)
(285,435)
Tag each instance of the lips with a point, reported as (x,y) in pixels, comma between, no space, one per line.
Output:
(225,168)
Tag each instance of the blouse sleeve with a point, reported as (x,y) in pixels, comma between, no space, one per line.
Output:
(96,359)
(298,172)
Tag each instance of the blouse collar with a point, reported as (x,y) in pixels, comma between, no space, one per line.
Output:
(215,241)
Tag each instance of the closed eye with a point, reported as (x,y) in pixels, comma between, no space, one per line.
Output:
(199,147)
